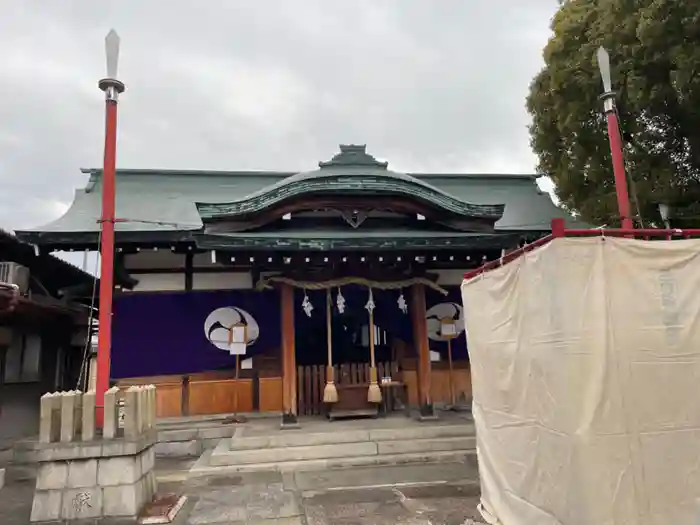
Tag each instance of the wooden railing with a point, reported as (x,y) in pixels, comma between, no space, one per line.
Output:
(311,380)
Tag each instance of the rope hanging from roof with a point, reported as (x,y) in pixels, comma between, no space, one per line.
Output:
(265,283)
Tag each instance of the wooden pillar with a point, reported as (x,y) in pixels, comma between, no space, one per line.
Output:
(289,366)
(185,383)
(420,341)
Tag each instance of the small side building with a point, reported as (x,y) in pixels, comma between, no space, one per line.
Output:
(44,315)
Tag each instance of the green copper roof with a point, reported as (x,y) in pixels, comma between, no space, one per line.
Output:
(352,172)
(164,201)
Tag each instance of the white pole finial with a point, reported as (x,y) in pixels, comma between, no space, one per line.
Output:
(604,66)
(112,50)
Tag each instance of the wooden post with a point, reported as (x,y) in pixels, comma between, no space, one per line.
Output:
(420,341)
(289,368)
(374,394)
(453,399)
(235,400)
(330,392)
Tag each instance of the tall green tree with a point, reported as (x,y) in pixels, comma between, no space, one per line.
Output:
(654,48)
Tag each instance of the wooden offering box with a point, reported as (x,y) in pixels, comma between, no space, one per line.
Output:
(352,402)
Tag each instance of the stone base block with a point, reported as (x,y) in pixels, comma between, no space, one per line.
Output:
(46,505)
(94,488)
(82,503)
(125,500)
(52,476)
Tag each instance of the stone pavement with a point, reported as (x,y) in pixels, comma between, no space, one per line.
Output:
(435,494)
(444,494)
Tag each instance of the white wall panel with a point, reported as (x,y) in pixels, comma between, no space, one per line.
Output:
(222,281)
(159,282)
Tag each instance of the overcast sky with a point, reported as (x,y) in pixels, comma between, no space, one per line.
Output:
(226,84)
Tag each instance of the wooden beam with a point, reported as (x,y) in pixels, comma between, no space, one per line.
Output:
(420,340)
(189,270)
(289,367)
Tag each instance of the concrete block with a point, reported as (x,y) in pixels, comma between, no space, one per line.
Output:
(123,500)
(123,447)
(185,434)
(140,409)
(78,414)
(118,471)
(153,405)
(86,451)
(178,449)
(208,444)
(82,473)
(68,451)
(148,460)
(119,448)
(68,402)
(150,485)
(88,430)
(81,503)
(131,408)
(46,505)
(224,431)
(147,407)
(110,426)
(52,475)
(146,414)
(49,418)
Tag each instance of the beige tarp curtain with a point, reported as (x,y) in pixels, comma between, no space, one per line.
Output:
(585,359)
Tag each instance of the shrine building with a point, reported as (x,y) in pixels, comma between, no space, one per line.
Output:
(236,290)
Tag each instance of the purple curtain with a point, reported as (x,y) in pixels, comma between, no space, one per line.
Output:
(164,333)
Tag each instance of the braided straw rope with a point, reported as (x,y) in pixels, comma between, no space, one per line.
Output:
(266,283)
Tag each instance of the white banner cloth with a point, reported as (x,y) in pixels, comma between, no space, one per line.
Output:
(585,358)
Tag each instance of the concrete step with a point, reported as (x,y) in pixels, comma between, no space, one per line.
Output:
(221,456)
(203,466)
(259,455)
(294,439)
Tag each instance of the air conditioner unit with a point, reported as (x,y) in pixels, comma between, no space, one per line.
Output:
(13,273)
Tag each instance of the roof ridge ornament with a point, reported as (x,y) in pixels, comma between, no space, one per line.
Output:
(353,155)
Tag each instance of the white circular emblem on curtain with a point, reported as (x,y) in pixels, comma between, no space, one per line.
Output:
(440,311)
(219,323)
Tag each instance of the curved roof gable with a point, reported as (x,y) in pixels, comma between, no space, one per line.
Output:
(351,172)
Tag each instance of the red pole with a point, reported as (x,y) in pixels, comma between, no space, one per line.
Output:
(618,161)
(112,88)
(104,337)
